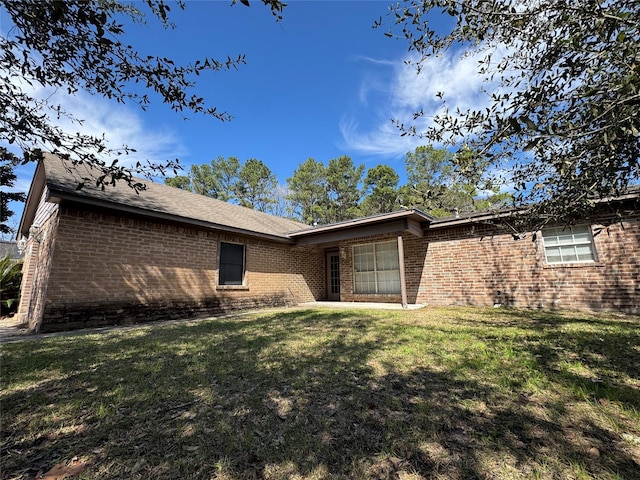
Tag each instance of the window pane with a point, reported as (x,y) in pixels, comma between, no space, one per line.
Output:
(575,244)
(584,252)
(550,236)
(231,264)
(365,282)
(232,253)
(387,256)
(568,254)
(230,274)
(363,250)
(376,268)
(565,238)
(579,229)
(363,258)
(553,255)
(389,281)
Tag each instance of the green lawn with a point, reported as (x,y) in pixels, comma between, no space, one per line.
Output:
(451,393)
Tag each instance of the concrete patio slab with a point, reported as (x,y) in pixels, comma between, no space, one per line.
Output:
(367,305)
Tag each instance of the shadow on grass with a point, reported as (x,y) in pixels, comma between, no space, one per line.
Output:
(307,393)
(608,346)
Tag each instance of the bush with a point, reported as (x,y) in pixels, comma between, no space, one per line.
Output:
(10,278)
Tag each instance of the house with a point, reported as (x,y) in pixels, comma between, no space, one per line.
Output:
(95,257)
(10,249)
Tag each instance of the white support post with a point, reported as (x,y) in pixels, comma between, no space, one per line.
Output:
(403,282)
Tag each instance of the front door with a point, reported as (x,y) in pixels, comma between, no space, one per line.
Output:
(333,276)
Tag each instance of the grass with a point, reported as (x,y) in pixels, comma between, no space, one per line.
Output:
(445,393)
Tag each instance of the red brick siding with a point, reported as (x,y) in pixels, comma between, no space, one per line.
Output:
(110,269)
(35,271)
(28,274)
(473,266)
(462,268)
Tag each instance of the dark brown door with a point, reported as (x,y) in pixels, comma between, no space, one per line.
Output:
(333,276)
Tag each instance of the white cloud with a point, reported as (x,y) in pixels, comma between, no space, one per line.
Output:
(407,92)
(383,139)
(120,124)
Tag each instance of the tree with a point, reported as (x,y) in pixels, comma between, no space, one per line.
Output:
(343,189)
(430,175)
(202,180)
(443,183)
(429,166)
(308,193)
(564,114)
(217,179)
(8,179)
(182,182)
(256,186)
(282,206)
(225,173)
(381,190)
(76,45)
(473,187)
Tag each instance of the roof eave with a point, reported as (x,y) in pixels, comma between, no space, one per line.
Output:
(38,184)
(359,222)
(454,222)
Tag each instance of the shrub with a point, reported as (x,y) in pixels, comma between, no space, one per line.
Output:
(10,278)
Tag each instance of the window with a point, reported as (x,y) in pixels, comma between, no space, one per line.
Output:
(231,264)
(568,244)
(376,268)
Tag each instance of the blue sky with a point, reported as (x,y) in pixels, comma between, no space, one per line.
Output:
(321,83)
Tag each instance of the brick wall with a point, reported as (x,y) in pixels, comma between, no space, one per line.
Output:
(28,274)
(464,267)
(36,270)
(110,269)
(475,266)
(95,268)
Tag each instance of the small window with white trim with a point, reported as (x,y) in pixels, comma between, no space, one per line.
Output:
(376,268)
(568,244)
(232,262)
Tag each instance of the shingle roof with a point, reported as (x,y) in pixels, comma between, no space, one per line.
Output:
(63,178)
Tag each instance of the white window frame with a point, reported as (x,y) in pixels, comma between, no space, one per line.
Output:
(375,271)
(551,241)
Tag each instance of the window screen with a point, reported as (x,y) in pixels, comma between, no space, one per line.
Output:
(231,264)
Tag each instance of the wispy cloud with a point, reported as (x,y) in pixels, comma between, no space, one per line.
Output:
(119,124)
(404,92)
(382,139)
